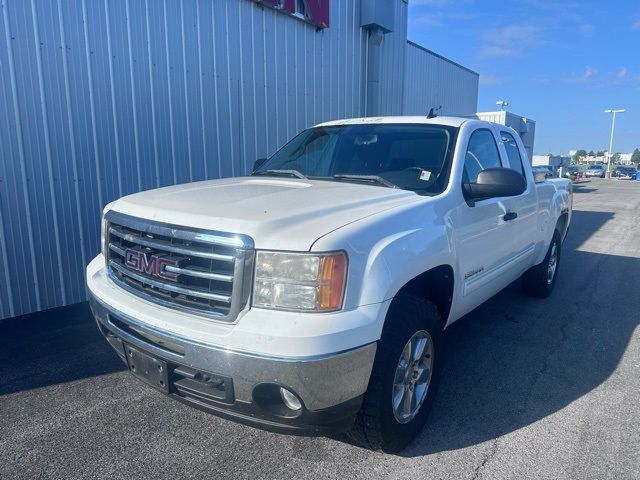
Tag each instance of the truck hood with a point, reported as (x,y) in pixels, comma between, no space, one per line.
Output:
(280,214)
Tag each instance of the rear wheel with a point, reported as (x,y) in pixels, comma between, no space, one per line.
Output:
(404,378)
(539,280)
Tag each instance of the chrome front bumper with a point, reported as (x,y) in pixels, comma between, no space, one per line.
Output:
(330,387)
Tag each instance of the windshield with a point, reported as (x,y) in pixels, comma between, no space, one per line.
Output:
(595,167)
(408,156)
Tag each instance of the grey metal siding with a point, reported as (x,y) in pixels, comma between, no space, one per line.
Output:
(99,99)
(431,81)
(393,64)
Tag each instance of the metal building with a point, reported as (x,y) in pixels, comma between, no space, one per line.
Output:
(526,127)
(101,98)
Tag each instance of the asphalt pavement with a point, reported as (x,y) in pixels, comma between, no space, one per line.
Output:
(543,389)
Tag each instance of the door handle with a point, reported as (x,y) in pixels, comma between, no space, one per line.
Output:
(510,216)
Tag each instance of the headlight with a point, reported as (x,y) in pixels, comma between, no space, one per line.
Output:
(300,281)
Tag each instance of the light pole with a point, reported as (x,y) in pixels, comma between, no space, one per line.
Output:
(502,104)
(613,126)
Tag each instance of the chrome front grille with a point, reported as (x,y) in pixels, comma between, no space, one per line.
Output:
(199,271)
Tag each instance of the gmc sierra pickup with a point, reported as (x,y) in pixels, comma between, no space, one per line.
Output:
(312,296)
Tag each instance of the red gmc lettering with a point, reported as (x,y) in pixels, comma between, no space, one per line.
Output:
(149,264)
(317,10)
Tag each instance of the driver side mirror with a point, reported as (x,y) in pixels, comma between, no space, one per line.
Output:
(258,163)
(495,182)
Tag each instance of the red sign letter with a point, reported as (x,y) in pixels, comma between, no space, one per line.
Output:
(318,11)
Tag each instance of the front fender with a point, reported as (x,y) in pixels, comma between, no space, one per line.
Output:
(389,249)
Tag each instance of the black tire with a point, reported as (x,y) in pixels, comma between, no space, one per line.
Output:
(535,281)
(376,427)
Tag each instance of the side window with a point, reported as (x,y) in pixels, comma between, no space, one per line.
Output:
(482,153)
(513,152)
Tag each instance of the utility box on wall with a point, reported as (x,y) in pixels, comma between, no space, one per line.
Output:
(377,14)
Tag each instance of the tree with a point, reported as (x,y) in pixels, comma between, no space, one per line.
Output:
(615,158)
(600,153)
(591,153)
(635,157)
(579,155)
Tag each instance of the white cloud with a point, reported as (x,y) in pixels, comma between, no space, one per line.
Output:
(511,41)
(437,3)
(586,29)
(492,80)
(542,79)
(587,75)
(439,19)
(592,78)
(498,51)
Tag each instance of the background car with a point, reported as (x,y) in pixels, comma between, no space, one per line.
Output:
(624,171)
(572,172)
(595,170)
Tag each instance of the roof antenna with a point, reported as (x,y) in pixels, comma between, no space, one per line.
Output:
(434,112)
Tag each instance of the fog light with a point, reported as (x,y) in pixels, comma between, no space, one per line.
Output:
(290,400)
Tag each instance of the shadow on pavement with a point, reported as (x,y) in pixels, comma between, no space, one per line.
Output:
(579,188)
(50,347)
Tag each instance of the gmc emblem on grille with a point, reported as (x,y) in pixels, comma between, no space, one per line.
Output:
(151,264)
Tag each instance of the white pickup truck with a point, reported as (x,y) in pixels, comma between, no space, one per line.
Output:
(312,296)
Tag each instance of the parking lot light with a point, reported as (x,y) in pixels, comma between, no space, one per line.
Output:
(613,126)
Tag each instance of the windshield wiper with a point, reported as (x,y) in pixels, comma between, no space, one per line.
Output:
(290,173)
(366,178)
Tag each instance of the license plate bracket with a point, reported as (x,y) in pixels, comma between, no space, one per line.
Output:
(149,369)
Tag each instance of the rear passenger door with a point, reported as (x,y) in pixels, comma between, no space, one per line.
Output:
(523,228)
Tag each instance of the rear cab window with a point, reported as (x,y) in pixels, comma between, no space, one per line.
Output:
(513,153)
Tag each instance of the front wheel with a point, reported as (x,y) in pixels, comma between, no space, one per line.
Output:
(405,376)
(539,280)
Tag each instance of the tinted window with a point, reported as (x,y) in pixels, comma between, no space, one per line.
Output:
(482,153)
(513,152)
(412,156)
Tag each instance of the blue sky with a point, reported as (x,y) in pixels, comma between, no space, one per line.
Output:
(559,62)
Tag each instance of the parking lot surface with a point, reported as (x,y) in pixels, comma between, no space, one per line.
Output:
(532,388)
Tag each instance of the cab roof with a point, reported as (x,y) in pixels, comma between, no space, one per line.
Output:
(447,121)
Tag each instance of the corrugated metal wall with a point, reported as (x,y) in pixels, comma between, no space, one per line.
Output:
(99,99)
(393,64)
(431,81)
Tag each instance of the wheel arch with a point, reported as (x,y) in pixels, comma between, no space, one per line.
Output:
(436,285)
(562,225)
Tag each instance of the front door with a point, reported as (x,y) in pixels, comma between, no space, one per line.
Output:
(484,248)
